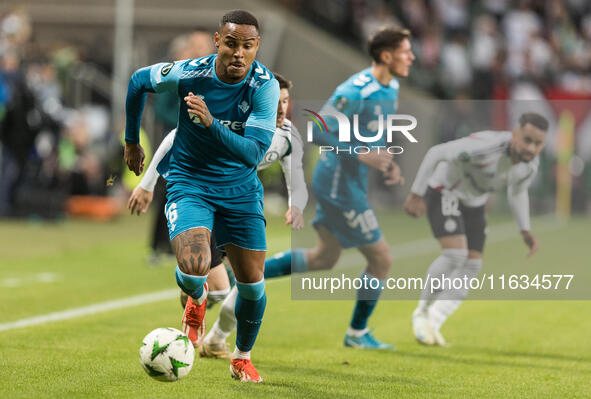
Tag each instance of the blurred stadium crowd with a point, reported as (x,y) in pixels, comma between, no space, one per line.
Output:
(475,49)
(50,150)
(58,140)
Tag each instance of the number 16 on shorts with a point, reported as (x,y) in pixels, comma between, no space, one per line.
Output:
(171,215)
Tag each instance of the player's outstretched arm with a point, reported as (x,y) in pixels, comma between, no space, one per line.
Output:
(393,175)
(328,139)
(293,171)
(436,154)
(138,89)
(518,199)
(134,156)
(141,197)
(139,200)
(294,217)
(155,78)
(379,160)
(531,241)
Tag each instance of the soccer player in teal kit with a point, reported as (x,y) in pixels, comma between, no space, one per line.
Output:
(344,217)
(212,177)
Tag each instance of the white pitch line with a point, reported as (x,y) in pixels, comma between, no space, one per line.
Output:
(499,232)
(91,309)
(100,307)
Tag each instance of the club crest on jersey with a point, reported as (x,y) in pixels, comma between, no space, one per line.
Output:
(244,106)
(166,69)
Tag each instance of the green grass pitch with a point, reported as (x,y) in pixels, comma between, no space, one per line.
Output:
(500,349)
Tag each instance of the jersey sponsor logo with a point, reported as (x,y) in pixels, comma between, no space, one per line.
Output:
(235,126)
(166,69)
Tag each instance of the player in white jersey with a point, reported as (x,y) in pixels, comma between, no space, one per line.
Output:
(452,186)
(287,147)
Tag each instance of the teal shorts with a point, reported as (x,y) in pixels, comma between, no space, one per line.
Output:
(354,223)
(235,213)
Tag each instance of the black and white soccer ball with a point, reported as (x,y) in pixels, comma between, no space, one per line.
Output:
(167,354)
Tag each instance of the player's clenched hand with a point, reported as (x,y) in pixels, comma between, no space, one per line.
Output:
(531,241)
(198,107)
(415,205)
(134,158)
(379,160)
(139,200)
(294,217)
(392,175)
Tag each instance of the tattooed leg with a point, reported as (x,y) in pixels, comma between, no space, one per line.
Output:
(192,251)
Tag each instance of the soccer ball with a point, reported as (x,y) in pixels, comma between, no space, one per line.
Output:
(167,354)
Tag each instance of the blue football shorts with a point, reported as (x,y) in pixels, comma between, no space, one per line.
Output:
(235,213)
(353,223)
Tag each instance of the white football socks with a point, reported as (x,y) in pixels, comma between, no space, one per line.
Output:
(227,319)
(450,300)
(214,297)
(203,296)
(445,264)
(238,354)
(351,332)
(226,322)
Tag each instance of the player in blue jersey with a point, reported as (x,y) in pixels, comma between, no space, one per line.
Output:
(287,149)
(211,176)
(344,218)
